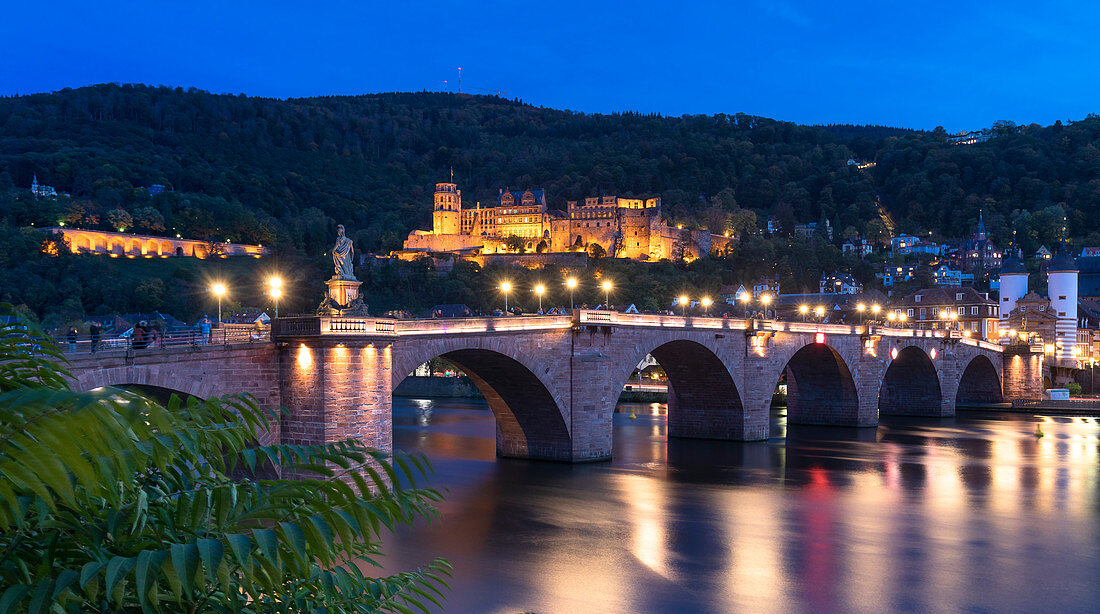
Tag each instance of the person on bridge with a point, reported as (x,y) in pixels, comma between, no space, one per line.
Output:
(94,332)
(204,330)
(72,339)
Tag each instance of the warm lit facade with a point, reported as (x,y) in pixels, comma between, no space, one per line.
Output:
(623,227)
(118,244)
(969,311)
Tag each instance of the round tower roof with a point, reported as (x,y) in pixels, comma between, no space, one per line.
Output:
(1063,262)
(1013,266)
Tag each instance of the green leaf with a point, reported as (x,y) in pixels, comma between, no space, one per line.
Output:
(12,596)
(296,539)
(148,568)
(268,542)
(211,552)
(117,569)
(185,558)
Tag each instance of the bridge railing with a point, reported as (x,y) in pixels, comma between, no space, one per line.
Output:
(479,325)
(88,344)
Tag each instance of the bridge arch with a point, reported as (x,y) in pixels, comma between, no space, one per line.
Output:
(704,400)
(820,387)
(138,375)
(530,421)
(980,382)
(911,385)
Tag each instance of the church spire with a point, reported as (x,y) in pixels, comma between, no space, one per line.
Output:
(981,233)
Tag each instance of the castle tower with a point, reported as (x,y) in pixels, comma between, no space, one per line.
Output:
(1013,278)
(447,216)
(1062,290)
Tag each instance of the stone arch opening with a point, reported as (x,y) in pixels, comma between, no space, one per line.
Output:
(159,394)
(703,399)
(820,388)
(529,423)
(179,251)
(979,383)
(911,386)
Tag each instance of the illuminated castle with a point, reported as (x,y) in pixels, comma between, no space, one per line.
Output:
(520,221)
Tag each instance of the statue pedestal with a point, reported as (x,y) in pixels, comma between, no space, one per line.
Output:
(343,291)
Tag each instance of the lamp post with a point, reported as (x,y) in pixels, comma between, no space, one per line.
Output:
(505,288)
(819,311)
(683,305)
(219,291)
(891,317)
(803,310)
(766,299)
(861,308)
(706,305)
(275,294)
(571,283)
(606,295)
(276,291)
(745,298)
(539,289)
(874,311)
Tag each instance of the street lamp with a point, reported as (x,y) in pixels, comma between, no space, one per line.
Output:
(874,311)
(891,316)
(745,298)
(706,305)
(861,308)
(819,311)
(505,288)
(803,309)
(571,283)
(276,291)
(539,289)
(219,291)
(766,299)
(683,304)
(606,294)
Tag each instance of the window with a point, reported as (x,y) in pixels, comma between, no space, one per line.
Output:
(958,296)
(909,313)
(916,299)
(922,313)
(1005,299)
(974,310)
(1062,298)
(962,311)
(1042,307)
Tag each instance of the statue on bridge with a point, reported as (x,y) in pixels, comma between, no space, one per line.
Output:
(343,297)
(343,254)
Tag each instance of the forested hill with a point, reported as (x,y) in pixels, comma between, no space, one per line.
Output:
(284,171)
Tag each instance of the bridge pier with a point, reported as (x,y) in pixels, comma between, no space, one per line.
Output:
(336,389)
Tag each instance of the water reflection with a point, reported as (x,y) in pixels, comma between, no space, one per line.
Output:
(967,513)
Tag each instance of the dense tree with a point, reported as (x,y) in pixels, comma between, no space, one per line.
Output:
(113,502)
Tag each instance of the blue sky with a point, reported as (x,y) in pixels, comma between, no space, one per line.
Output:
(958,64)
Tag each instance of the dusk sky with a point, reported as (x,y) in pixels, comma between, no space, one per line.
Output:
(958,64)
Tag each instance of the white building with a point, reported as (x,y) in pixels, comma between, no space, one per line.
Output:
(1062,278)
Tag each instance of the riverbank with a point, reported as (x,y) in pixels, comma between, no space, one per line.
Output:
(437,387)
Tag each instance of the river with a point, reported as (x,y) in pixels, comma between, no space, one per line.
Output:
(973,513)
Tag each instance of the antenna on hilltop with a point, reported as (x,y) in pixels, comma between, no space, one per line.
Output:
(459,79)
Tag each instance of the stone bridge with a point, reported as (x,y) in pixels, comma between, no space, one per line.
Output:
(552,382)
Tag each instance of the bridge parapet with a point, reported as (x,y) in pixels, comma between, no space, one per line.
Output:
(323,326)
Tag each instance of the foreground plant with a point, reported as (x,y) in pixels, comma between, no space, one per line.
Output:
(110,501)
